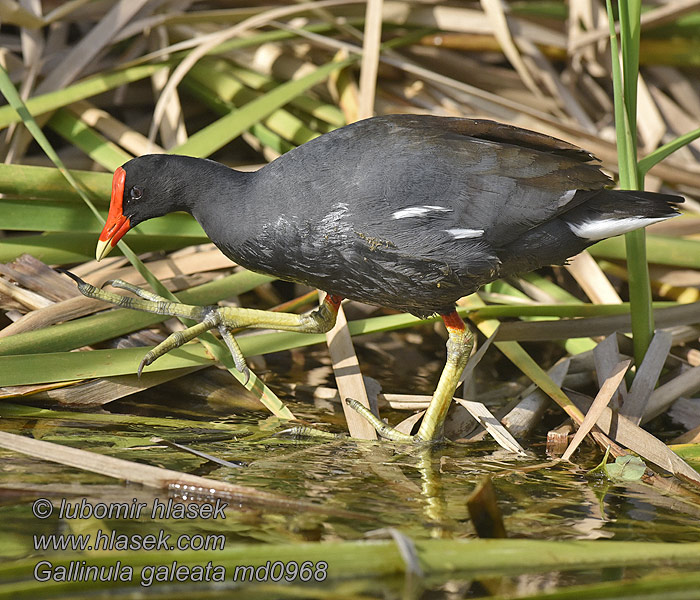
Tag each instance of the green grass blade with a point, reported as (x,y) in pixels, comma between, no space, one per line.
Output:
(46,182)
(347,559)
(21,411)
(62,366)
(666,150)
(630,27)
(78,91)
(551,288)
(622,129)
(62,248)
(213,346)
(661,250)
(640,293)
(20,214)
(217,79)
(209,139)
(82,136)
(329,113)
(8,90)
(265,135)
(625,98)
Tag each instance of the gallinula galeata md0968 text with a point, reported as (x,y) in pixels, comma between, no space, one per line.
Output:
(407,212)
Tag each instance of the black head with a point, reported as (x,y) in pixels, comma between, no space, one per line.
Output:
(151,186)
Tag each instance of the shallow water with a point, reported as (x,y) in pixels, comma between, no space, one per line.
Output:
(420,492)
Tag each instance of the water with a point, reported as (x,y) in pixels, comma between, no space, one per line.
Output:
(418,491)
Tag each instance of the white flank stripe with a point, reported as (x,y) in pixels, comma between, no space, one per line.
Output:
(463,234)
(418,211)
(605,228)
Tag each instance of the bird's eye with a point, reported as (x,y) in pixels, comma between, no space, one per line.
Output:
(135,193)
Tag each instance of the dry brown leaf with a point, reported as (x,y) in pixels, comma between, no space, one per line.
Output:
(370,58)
(348,377)
(486,419)
(607,391)
(590,277)
(646,377)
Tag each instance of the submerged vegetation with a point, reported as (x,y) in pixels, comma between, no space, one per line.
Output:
(596,363)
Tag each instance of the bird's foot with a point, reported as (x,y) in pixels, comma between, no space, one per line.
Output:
(304,431)
(209,317)
(178,338)
(386,431)
(459,346)
(223,318)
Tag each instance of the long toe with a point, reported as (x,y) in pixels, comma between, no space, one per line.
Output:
(386,431)
(134,289)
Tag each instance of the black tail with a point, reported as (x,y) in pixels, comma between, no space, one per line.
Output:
(596,215)
(600,214)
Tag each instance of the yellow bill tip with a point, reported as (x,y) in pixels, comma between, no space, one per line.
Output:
(103,249)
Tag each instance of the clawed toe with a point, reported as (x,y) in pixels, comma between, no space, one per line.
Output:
(245,371)
(236,354)
(145,361)
(386,431)
(83,286)
(134,289)
(224,319)
(175,340)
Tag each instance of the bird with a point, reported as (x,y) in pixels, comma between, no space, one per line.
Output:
(407,212)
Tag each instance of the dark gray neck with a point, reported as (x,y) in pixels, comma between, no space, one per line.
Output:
(201,187)
(220,198)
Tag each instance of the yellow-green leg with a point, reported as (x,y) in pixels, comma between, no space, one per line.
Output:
(223,318)
(321,320)
(459,347)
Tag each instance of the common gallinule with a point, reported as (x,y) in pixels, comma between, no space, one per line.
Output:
(407,212)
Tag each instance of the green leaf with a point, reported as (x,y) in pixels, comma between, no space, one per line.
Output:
(107,325)
(82,136)
(376,558)
(329,113)
(8,90)
(215,77)
(68,366)
(78,91)
(213,137)
(659,154)
(62,248)
(661,250)
(625,150)
(46,215)
(21,411)
(630,27)
(47,182)
(626,468)
(264,134)
(625,102)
